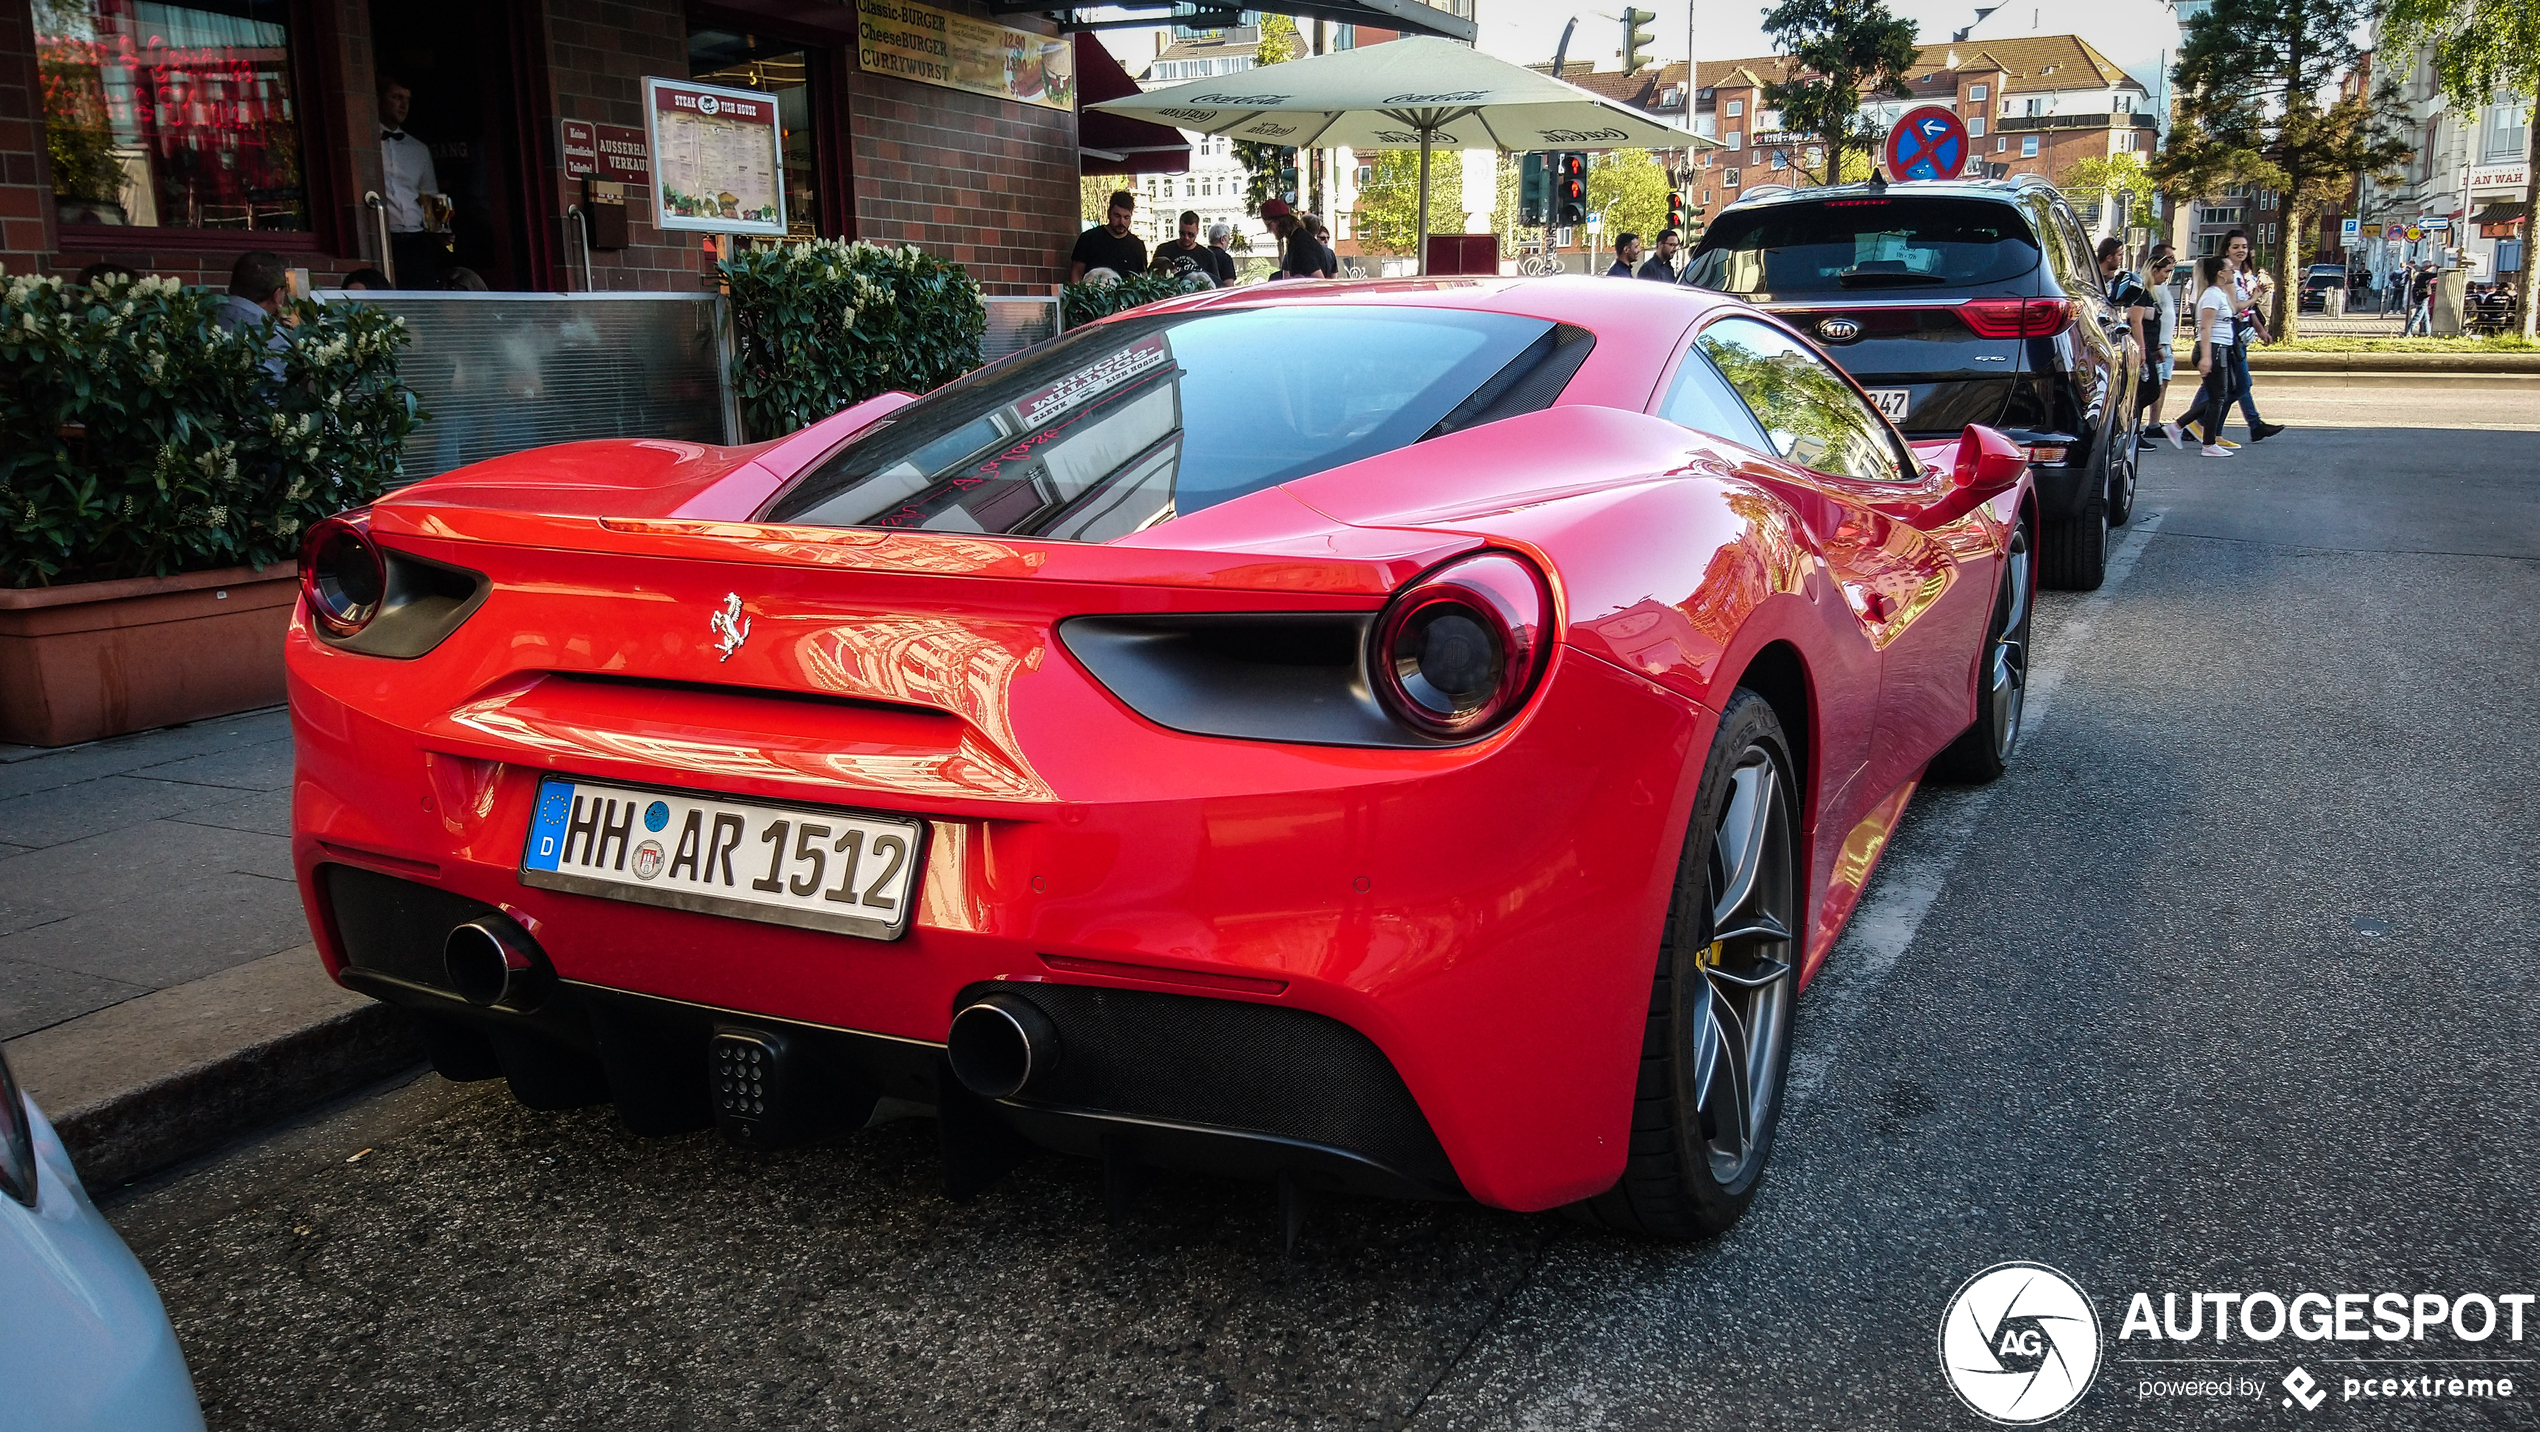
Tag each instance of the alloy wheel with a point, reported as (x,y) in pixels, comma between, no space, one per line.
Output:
(2006,666)
(1744,1014)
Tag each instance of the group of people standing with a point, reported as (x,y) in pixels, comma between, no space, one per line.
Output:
(2229,294)
(1305,248)
(1660,265)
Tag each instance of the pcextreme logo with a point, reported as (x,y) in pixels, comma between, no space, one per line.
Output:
(2019,1343)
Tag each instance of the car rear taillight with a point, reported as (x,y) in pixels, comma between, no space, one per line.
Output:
(341,575)
(2016,317)
(1459,650)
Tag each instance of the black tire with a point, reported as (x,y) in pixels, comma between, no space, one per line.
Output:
(1687,1174)
(1983,751)
(2127,469)
(2072,552)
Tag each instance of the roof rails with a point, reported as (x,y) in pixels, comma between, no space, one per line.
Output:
(1765,191)
(2031,181)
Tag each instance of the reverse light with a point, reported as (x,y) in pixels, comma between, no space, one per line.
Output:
(1459,650)
(2016,317)
(342,577)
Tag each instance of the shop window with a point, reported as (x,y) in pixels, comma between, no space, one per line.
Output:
(783,71)
(169,116)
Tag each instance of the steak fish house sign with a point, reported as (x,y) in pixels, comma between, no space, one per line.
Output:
(718,159)
(917,42)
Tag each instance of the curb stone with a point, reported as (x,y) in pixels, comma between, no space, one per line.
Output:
(156,1080)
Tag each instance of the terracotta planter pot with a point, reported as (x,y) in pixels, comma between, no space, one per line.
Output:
(102,658)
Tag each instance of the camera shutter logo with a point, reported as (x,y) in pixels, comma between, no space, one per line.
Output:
(2019,1343)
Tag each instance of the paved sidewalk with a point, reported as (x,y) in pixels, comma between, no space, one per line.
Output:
(158,991)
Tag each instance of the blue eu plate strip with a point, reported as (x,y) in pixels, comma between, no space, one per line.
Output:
(546,831)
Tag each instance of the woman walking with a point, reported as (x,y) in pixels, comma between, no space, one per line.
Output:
(2159,361)
(2215,302)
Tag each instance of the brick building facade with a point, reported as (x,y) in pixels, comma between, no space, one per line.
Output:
(987,181)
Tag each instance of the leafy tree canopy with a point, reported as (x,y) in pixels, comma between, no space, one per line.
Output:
(1838,50)
(1388,212)
(1280,43)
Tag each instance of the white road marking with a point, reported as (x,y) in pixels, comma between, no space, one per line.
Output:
(1907,882)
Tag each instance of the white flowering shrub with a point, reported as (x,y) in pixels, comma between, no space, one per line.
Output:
(139,440)
(827,324)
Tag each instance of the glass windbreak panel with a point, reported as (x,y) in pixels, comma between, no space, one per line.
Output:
(1869,243)
(169,116)
(726,57)
(1809,413)
(1120,426)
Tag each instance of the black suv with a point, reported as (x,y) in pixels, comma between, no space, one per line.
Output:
(1957,302)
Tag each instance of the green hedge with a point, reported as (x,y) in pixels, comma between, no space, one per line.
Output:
(827,324)
(137,439)
(1085,302)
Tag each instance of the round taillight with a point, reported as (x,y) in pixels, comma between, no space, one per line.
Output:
(341,577)
(1459,650)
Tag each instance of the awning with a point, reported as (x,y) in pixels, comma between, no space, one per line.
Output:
(1115,143)
(2502,212)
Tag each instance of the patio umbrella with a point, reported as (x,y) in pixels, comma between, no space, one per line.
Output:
(1415,93)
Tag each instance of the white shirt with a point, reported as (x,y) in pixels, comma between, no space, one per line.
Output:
(406,167)
(2213,314)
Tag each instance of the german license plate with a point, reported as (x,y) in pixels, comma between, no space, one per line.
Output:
(849,872)
(1891,402)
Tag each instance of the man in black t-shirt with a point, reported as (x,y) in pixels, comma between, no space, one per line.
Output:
(1661,263)
(1200,258)
(1110,245)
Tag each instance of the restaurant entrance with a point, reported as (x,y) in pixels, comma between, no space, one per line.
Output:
(474,110)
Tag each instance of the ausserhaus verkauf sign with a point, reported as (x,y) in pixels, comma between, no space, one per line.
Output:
(917,42)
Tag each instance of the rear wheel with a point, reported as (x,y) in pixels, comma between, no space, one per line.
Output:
(1716,1044)
(2128,467)
(1983,752)
(2072,552)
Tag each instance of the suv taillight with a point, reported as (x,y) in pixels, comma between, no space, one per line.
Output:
(2016,317)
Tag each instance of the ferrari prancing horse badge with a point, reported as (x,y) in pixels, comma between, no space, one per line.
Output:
(730,628)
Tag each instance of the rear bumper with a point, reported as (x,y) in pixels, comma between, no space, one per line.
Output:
(1479,924)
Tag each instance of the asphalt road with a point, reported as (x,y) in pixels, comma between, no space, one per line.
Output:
(2229,986)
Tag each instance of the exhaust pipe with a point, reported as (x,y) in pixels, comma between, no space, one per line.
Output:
(1000,1045)
(490,961)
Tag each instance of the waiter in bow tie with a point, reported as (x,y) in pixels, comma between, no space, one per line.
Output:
(406,170)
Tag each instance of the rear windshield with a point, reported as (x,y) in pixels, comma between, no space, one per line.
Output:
(1867,243)
(1120,426)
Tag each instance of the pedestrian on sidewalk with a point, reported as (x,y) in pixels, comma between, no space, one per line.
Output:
(1626,257)
(1323,239)
(2160,359)
(2420,302)
(1220,235)
(2252,287)
(1188,255)
(1300,256)
(1662,264)
(2126,293)
(2215,332)
(1109,244)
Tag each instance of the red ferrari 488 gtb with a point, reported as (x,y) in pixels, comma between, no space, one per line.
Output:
(1416,737)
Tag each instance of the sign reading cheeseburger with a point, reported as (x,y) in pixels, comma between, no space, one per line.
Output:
(920,42)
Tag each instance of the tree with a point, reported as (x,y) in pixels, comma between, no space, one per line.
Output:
(2483,49)
(1858,164)
(1837,49)
(1387,218)
(2258,105)
(2120,175)
(1629,188)
(1262,162)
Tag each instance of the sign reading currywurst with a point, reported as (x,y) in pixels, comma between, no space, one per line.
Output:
(910,41)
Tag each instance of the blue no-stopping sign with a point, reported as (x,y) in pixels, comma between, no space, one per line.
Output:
(1927,143)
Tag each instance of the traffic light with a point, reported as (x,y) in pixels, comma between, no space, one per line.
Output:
(1675,209)
(1287,175)
(1635,39)
(1534,190)
(1569,188)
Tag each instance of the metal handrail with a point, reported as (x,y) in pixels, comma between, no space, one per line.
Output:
(387,255)
(582,223)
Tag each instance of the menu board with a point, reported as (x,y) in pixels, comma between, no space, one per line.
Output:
(718,158)
(919,42)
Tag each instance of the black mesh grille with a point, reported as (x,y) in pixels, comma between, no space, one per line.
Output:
(1227,1064)
(395,927)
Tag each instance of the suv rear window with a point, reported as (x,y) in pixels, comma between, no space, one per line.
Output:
(1850,245)
(1120,426)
